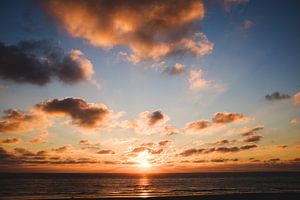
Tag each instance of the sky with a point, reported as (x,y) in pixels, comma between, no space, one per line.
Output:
(126,86)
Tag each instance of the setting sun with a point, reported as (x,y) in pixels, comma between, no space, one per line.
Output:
(143,160)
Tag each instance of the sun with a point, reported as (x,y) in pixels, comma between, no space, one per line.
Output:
(143,160)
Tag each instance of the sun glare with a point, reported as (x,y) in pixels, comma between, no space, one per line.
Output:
(143,160)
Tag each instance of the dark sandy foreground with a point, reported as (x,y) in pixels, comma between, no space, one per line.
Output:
(252,196)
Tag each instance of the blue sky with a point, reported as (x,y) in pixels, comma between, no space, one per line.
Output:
(255,53)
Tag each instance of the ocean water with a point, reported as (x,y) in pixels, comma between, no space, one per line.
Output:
(49,185)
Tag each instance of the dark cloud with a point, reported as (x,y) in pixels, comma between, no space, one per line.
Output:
(6,157)
(246,147)
(155,117)
(83,114)
(38,62)
(227,149)
(106,152)
(10,140)
(195,151)
(150,29)
(190,152)
(276,96)
(282,146)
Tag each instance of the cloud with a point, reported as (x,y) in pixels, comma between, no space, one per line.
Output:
(82,114)
(39,138)
(196,80)
(223,149)
(296,98)
(150,29)
(276,96)
(16,121)
(175,69)
(294,122)
(197,125)
(84,142)
(219,118)
(226,117)
(221,142)
(229,3)
(252,131)
(106,152)
(10,140)
(169,130)
(252,138)
(247,24)
(282,146)
(147,123)
(246,147)
(38,62)
(63,149)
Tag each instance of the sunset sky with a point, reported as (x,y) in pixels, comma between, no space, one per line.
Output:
(149,86)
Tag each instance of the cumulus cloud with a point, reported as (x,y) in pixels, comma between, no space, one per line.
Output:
(147,123)
(226,117)
(197,125)
(220,118)
(82,114)
(150,29)
(16,121)
(10,140)
(277,96)
(296,98)
(38,62)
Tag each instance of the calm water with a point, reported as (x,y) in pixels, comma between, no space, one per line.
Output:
(39,186)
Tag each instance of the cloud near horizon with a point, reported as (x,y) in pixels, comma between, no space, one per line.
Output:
(150,29)
(16,121)
(40,61)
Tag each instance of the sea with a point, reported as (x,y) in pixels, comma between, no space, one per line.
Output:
(79,185)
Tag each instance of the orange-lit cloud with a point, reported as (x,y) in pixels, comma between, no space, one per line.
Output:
(10,140)
(220,118)
(16,121)
(150,29)
(147,123)
(296,98)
